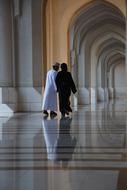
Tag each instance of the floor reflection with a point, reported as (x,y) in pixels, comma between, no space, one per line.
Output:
(51,132)
(65,142)
(60,144)
(87,151)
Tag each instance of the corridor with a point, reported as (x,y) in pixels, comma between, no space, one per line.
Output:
(85,152)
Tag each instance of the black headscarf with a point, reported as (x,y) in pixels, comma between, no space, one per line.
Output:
(64,67)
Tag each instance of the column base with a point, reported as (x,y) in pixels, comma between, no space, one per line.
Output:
(111,92)
(8,101)
(29,99)
(23,99)
(83,96)
(7,110)
(100,95)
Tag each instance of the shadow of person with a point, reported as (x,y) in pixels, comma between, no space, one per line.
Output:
(65,143)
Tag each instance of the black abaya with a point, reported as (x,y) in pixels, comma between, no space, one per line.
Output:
(65,85)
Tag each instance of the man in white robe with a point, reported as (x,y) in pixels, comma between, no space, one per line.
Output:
(50,93)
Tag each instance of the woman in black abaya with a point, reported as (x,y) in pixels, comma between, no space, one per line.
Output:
(65,85)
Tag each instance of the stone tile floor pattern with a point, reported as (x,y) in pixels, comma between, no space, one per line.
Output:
(87,151)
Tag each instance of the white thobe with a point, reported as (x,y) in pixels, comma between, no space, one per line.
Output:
(50,94)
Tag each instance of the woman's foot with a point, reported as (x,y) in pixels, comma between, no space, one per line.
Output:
(69,109)
(62,114)
(67,113)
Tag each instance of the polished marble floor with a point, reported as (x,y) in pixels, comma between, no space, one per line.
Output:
(87,151)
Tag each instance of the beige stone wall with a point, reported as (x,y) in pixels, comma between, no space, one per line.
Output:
(59,15)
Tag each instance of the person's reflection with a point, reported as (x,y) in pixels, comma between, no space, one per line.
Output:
(50,129)
(65,143)
(60,144)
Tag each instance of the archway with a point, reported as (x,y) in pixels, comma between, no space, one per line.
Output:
(96,47)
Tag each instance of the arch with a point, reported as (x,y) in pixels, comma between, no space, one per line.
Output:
(96,30)
(86,7)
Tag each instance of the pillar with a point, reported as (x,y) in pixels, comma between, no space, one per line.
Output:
(7,94)
(126,47)
(29,52)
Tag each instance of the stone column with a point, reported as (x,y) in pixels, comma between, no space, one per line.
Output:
(5,44)
(74,71)
(93,88)
(100,94)
(29,52)
(83,91)
(126,59)
(126,43)
(110,87)
(93,92)
(7,105)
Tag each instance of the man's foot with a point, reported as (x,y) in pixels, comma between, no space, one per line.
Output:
(45,113)
(53,114)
